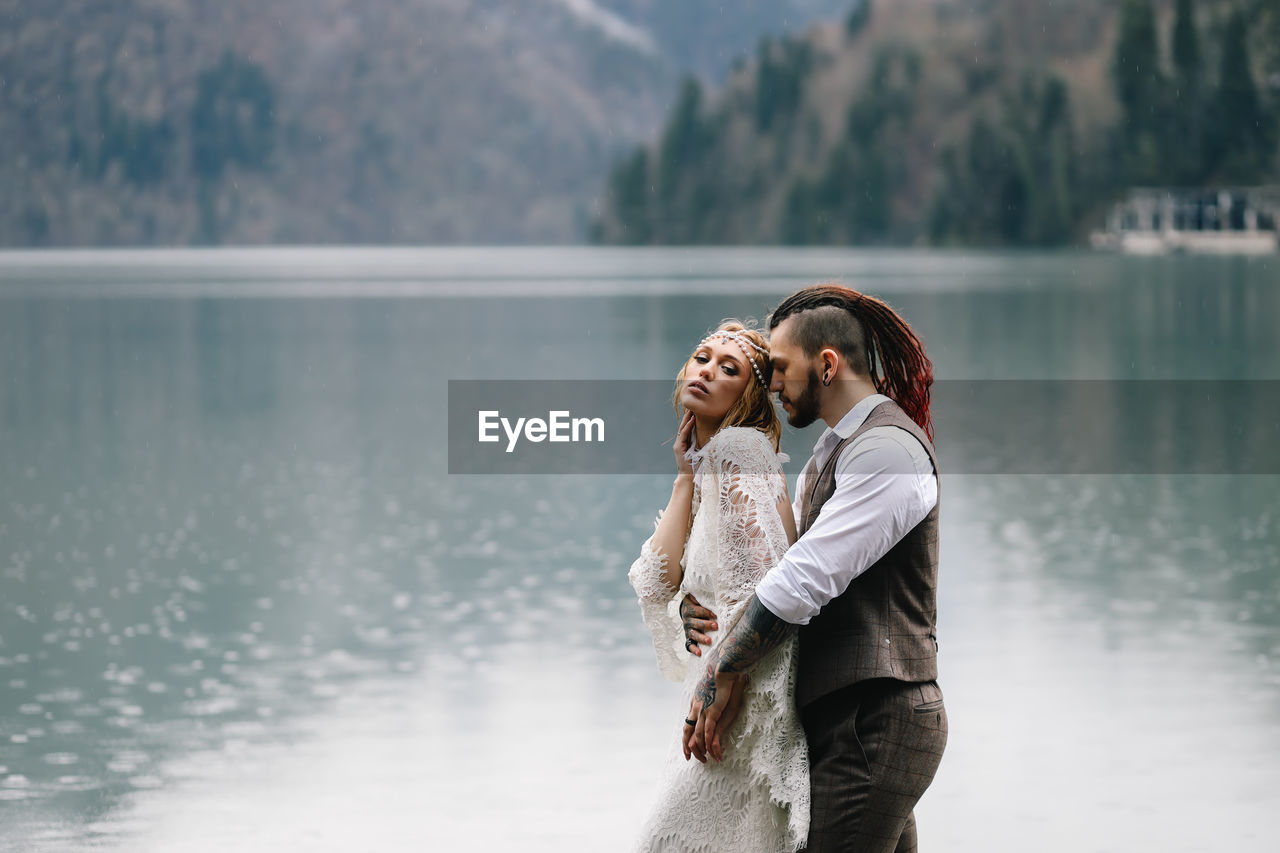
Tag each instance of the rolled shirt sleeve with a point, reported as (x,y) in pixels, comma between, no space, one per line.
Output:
(884,486)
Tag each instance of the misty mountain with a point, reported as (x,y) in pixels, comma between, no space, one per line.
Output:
(160,122)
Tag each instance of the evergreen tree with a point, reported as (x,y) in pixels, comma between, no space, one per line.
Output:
(994,203)
(780,76)
(1053,159)
(1184,153)
(803,220)
(232,122)
(858,18)
(628,196)
(1241,132)
(1269,10)
(1270,28)
(1140,89)
(233,119)
(1186,44)
(1136,65)
(142,148)
(682,140)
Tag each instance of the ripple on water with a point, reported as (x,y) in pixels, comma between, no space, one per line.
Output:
(244,729)
(60,695)
(146,781)
(61,758)
(77,783)
(211,706)
(127,761)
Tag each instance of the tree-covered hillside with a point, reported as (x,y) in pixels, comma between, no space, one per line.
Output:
(285,121)
(318,121)
(988,122)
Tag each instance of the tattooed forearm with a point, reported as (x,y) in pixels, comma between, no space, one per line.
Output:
(753,637)
(756,634)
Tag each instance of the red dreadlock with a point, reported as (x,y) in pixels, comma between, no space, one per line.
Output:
(891,346)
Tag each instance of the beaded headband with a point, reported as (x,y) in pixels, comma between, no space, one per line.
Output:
(743,341)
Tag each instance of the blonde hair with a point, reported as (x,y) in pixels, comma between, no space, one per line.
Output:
(754,407)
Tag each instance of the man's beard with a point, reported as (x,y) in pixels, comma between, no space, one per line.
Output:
(805,407)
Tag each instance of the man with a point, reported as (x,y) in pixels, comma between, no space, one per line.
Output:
(859,582)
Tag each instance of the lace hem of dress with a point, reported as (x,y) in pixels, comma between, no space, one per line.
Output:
(758,799)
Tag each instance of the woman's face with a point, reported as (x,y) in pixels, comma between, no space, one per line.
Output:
(714,378)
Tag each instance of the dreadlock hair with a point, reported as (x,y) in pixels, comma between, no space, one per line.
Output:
(877,342)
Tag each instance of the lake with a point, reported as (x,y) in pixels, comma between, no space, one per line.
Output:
(244,605)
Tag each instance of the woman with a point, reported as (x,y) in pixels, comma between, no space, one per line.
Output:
(729,521)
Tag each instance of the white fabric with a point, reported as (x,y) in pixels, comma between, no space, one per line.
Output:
(758,798)
(885,486)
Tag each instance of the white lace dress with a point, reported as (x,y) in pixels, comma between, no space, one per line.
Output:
(758,798)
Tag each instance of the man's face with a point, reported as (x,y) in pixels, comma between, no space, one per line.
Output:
(795,377)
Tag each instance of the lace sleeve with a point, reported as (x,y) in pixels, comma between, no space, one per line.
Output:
(656,600)
(752,538)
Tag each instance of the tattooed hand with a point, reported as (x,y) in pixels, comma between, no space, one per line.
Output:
(716,702)
(697,621)
(718,696)
(704,696)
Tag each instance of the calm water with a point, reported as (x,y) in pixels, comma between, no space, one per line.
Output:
(242,605)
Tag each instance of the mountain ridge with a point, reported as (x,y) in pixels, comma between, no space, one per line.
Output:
(324,121)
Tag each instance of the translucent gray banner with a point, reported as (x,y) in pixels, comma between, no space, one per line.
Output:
(981,427)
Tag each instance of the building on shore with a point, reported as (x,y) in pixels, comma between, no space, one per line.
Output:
(1153,221)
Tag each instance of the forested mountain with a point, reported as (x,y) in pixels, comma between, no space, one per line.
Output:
(975,122)
(300,121)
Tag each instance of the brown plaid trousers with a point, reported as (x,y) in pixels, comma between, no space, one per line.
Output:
(874,747)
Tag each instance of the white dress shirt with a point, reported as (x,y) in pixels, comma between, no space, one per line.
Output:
(884,486)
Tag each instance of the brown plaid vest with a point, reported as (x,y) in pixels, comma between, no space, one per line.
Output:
(885,624)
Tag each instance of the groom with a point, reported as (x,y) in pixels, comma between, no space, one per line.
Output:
(860,581)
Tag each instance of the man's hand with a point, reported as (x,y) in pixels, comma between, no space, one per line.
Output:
(697,621)
(716,703)
(718,696)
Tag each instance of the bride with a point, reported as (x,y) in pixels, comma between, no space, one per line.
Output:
(729,521)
